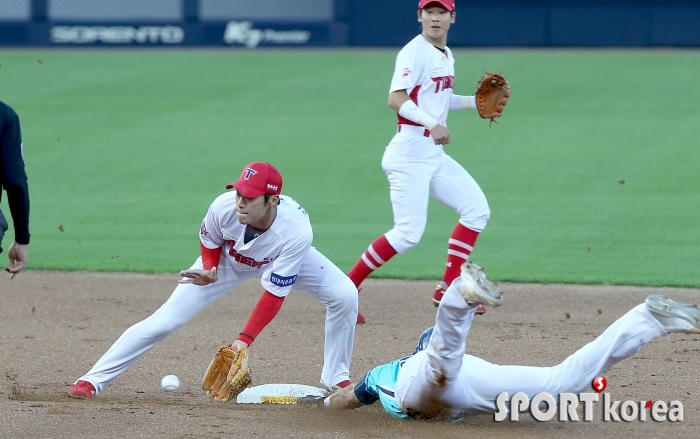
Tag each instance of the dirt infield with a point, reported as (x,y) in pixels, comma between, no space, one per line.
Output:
(55,325)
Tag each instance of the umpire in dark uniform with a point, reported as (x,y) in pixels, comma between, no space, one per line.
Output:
(13,179)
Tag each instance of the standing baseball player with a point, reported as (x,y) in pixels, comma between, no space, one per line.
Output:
(440,381)
(13,179)
(415,162)
(250,232)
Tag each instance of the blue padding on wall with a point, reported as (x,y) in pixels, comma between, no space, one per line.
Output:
(475,26)
(387,23)
(676,26)
(14,34)
(516,26)
(570,23)
(601,26)
(383,23)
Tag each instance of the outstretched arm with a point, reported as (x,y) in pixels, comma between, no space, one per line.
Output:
(344,399)
(207,275)
(458,102)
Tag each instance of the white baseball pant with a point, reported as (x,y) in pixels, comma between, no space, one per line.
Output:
(417,168)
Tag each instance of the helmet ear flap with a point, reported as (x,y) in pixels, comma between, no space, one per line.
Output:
(424,340)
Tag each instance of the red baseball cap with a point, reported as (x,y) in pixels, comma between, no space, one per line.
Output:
(447,4)
(256,179)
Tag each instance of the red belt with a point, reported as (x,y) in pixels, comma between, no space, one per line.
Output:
(414,129)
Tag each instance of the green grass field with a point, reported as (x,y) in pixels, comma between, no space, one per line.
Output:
(126,149)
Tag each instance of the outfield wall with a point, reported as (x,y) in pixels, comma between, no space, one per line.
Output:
(539,23)
(364,23)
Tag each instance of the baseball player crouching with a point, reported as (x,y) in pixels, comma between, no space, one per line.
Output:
(252,231)
(440,381)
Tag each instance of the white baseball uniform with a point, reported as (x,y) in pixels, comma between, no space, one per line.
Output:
(444,382)
(414,165)
(282,257)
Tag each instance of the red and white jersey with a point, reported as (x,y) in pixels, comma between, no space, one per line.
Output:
(277,253)
(427,75)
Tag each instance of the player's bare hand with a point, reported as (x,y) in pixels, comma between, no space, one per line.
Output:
(199,277)
(19,257)
(441,135)
(344,399)
(239,344)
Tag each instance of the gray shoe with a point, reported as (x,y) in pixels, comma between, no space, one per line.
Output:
(476,289)
(332,389)
(674,316)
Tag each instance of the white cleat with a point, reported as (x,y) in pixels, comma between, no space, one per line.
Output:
(476,289)
(674,316)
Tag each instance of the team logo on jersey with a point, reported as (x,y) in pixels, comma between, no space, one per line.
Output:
(203,230)
(443,83)
(282,281)
(242,259)
(246,260)
(405,72)
(249,172)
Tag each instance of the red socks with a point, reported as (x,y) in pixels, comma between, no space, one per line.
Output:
(459,247)
(378,253)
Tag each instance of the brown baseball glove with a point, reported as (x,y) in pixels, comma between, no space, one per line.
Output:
(492,93)
(228,374)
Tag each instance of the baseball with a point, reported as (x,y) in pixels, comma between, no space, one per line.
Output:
(170,383)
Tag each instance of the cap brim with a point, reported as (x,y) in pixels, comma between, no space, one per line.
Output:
(244,189)
(446,5)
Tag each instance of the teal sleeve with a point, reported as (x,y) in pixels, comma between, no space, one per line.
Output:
(381,382)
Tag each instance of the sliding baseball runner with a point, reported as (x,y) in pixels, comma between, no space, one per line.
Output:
(441,381)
